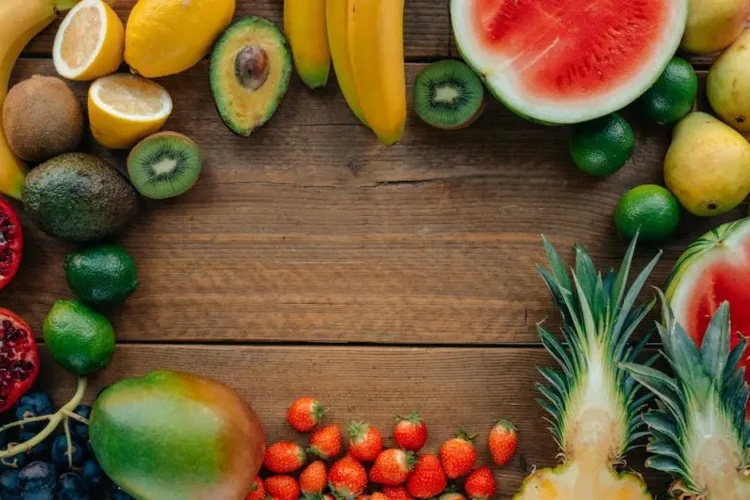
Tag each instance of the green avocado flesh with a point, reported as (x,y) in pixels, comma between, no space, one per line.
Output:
(250,70)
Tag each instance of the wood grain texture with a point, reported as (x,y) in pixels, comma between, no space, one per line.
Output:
(450,387)
(312,231)
(426,25)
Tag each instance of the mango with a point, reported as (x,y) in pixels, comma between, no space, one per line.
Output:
(728,84)
(177,436)
(713,24)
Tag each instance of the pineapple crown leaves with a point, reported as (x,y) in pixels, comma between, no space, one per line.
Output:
(599,318)
(708,389)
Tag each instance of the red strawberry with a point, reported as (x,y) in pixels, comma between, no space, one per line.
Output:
(458,455)
(396,493)
(326,442)
(392,467)
(347,478)
(378,496)
(503,441)
(314,478)
(451,496)
(427,479)
(257,491)
(305,413)
(328,496)
(365,441)
(410,432)
(363,497)
(283,457)
(481,484)
(282,487)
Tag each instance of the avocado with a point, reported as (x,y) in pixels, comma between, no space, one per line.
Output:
(78,197)
(250,70)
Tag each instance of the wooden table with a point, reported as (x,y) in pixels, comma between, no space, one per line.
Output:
(310,260)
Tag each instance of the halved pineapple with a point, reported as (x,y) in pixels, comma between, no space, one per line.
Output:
(593,402)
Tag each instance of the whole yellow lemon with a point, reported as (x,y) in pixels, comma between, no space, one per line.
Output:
(164,37)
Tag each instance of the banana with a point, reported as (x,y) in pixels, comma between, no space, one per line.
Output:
(21,20)
(305,28)
(337,20)
(376,49)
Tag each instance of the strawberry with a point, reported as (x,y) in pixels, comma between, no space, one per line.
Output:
(451,496)
(305,413)
(396,493)
(282,487)
(257,491)
(347,478)
(363,497)
(326,442)
(317,496)
(458,455)
(392,467)
(283,457)
(503,441)
(365,441)
(378,496)
(481,484)
(410,432)
(314,478)
(427,479)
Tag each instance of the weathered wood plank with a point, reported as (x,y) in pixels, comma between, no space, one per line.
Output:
(450,387)
(426,25)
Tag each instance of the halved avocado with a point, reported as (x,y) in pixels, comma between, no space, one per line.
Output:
(250,70)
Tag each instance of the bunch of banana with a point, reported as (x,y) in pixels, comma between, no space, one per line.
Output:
(20,21)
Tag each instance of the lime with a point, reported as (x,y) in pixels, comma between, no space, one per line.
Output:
(602,146)
(673,94)
(102,276)
(650,209)
(80,339)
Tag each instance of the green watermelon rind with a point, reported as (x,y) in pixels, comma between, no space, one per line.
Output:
(668,55)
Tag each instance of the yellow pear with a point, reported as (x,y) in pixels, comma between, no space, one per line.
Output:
(728,85)
(708,165)
(714,24)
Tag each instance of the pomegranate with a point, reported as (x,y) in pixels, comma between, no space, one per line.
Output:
(19,359)
(11,243)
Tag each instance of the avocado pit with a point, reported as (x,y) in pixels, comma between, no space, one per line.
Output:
(251,66)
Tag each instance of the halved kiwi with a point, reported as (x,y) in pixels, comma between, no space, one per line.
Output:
(448,95)
(164,165)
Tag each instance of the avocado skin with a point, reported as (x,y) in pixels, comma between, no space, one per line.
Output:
(78,198)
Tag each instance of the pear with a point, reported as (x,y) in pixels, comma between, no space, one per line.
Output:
(713,24)
(707,166)
(728,85)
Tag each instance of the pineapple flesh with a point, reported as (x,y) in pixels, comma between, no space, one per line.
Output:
(593,403)
(699,432)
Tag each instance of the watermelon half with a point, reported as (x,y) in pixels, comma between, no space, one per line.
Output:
(715,269)
(568,61)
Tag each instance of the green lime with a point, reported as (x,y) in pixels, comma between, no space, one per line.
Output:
(80,339)
(650,209)
(102,276)
(673,94)
(602,146)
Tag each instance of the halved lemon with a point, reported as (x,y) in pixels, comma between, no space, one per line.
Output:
(123,109)
(90,42)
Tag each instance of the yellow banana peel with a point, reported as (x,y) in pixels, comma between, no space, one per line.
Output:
(337,21)
(305,29)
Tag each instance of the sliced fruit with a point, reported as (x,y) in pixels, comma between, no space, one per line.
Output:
(305,28)
(601,147)
(250,70)
(90,42)
(19,360)
(649,211)
(448,95)
(124,109)
(712,270)
(673,94)
(568,61)
(165,165)
(11,243)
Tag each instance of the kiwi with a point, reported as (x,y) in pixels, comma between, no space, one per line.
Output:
(42,118)
(448,95)
(164,165)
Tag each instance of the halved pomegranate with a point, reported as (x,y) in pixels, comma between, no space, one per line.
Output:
(11,243)
(19,358)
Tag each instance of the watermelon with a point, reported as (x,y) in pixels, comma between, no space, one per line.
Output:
(715,269)
(568,61)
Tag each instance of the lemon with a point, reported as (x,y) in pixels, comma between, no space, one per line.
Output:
(90,42)
(164,37)
(123,109)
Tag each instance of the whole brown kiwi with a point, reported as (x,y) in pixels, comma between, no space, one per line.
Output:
(42,118)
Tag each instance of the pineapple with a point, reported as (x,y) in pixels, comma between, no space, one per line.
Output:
(699,433)
(594,404)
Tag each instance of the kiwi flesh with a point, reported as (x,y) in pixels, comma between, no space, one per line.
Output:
(164,165)
(448,95)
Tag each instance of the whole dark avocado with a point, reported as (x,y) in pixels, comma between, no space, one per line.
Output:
(78,198)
